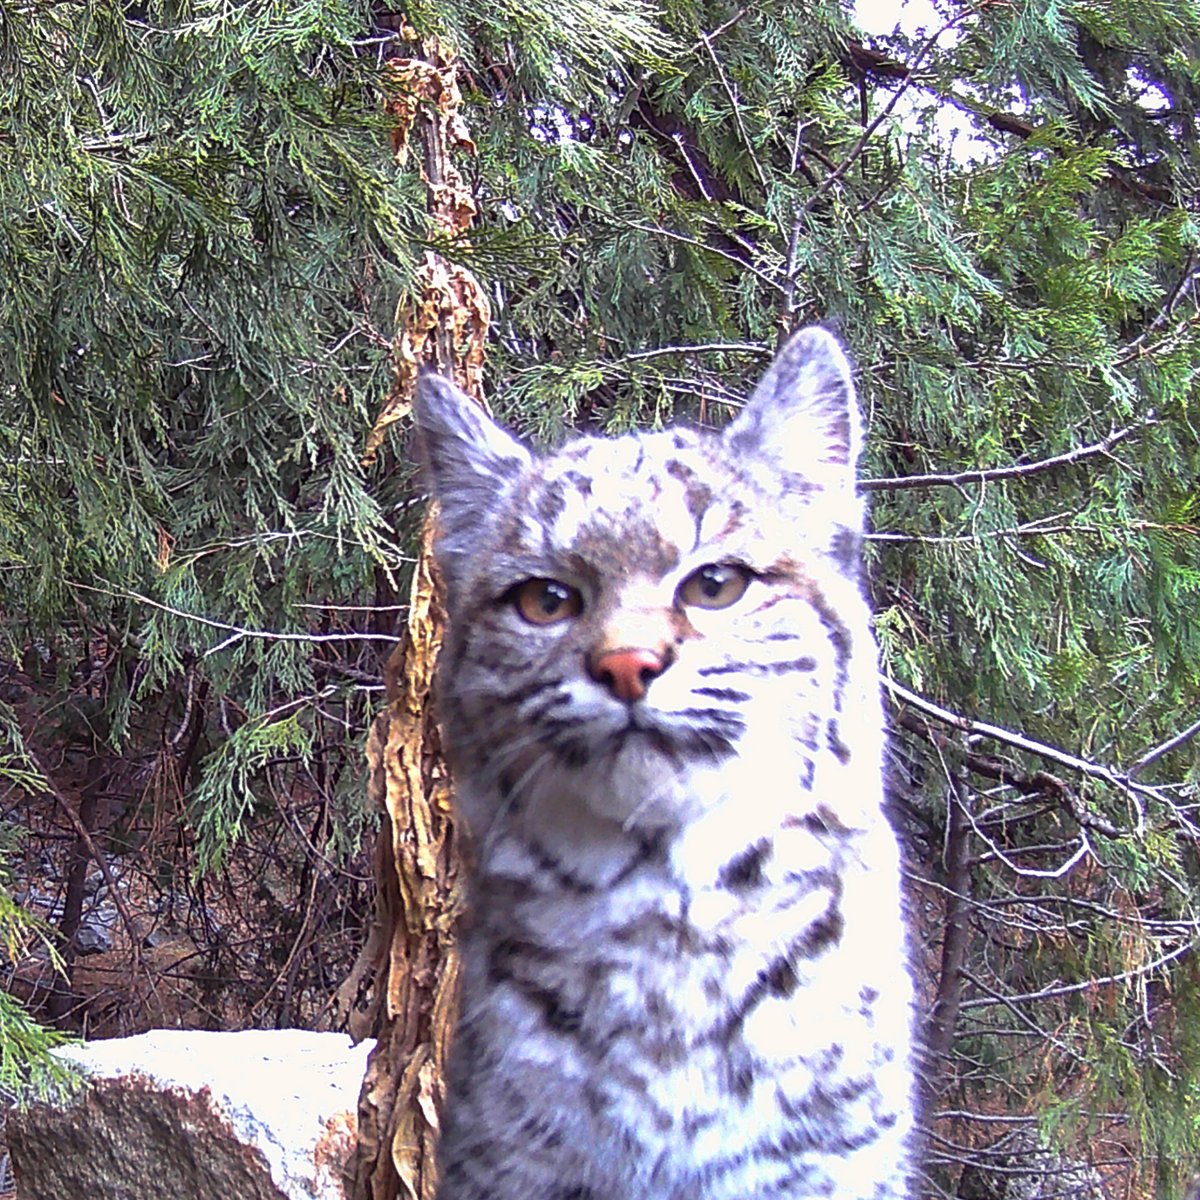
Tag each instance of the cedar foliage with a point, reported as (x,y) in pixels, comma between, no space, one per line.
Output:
(200,248)
(204,241)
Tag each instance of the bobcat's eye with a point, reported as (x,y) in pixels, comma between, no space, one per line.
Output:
(717,585)
(545,601)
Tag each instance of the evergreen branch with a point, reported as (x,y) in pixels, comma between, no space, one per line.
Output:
(996,854)
(236,631)
(1189,275)
(1041,781)
(672,131)
(1017,471)
(740,263)
(689,389)
(696,174)
(702,185)
(870,62)
(291,537)
(1068,989)
(1169,341)
(1000,1160)
(736,109)
(860,145)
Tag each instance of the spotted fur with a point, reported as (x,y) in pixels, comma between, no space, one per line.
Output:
(684,966)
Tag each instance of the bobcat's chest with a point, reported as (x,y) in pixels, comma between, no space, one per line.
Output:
(670,1029)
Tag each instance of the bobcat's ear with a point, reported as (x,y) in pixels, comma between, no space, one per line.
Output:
(803,416)
(465,450)
(471,462)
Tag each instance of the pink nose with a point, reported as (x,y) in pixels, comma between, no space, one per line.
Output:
(627,673)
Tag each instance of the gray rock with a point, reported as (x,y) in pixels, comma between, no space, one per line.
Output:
(259,1115)
(93,937)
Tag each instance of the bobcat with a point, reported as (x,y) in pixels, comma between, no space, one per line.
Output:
(684,968)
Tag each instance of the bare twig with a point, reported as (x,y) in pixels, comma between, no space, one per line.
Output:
(186,721)
(706,38)
(715,347)
(1010,1002)
(792,264)
(792,269)
(1036,528)
(1172,743)
(1020,742)
(1042,782)
(1017,471)
(237,631)
(1069,989)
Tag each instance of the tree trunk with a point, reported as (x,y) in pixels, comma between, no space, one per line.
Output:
(411,951)
(943,1020)
(63,1002)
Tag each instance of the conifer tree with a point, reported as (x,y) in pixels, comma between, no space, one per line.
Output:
(201,243)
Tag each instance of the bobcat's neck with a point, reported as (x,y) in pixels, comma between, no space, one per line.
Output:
(695,821)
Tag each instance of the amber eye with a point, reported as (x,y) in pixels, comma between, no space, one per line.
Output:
(716,585)
(545,601)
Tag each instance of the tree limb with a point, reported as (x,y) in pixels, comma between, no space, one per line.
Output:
(1017,470)
(943,1018)
(1040,782)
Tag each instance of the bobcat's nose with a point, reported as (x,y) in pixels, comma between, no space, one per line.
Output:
(627,672)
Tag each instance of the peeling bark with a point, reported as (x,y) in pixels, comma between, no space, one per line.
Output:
(411,951)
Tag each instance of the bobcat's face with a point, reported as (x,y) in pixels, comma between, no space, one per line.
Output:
(626,615)
(630,619)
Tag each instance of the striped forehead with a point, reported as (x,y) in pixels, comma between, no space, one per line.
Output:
(644,494)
